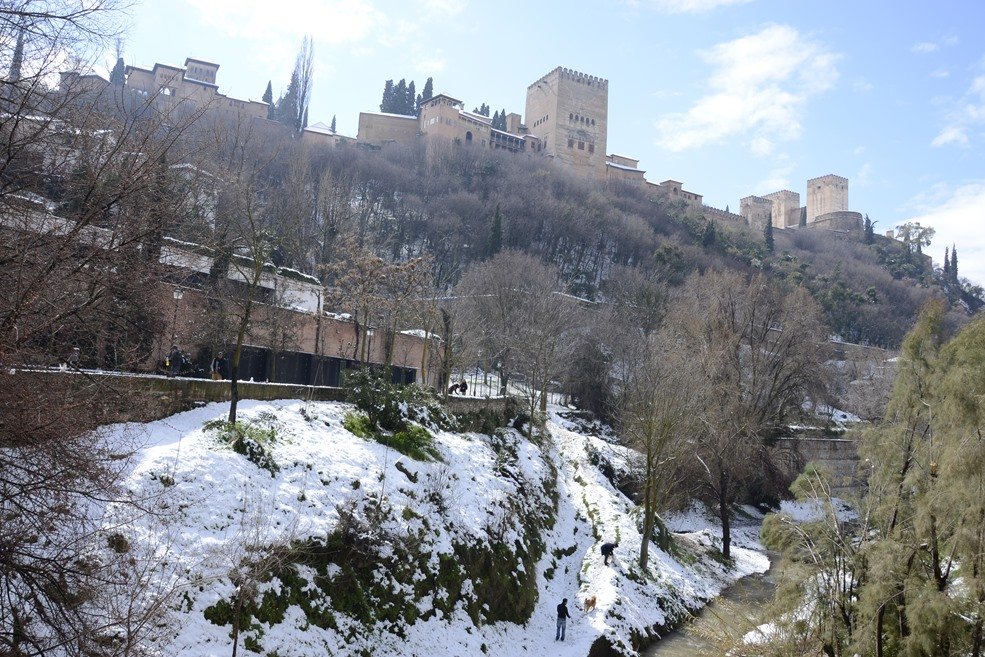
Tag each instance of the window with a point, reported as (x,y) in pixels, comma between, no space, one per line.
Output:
(591,148)
(581,145)
(571,143)
(571,117)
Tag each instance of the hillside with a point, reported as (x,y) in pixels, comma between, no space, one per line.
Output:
(461,205)
(347,547)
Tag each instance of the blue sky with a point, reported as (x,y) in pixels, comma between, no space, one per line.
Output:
(731,97)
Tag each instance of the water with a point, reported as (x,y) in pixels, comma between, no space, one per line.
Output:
(749,597)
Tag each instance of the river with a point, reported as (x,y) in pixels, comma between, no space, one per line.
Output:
(749,597)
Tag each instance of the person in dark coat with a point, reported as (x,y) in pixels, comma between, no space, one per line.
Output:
(463,387)
(219,367)
(607,550)
(174,361)
(562,619)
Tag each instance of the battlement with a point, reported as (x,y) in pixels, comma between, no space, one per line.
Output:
(561,73)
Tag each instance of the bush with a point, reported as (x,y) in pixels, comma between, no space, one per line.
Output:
(415,441)
(373,393)
(250,440)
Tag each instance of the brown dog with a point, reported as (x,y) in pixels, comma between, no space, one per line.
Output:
(589,603)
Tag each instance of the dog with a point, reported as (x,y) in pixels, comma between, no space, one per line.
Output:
(589,603)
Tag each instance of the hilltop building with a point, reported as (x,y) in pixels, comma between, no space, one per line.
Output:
(567,119)
(827,207)
(192,87)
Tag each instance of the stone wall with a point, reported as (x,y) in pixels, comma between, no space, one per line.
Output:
(377,129)
(838,456)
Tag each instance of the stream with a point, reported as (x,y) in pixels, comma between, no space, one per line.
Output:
(749,596)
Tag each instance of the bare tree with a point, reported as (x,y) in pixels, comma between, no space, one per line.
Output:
(756,352)
(512,308)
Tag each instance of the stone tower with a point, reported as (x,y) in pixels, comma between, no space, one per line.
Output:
(569,112)
(826,194)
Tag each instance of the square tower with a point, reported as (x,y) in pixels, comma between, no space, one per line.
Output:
(569,112)
(786,208)
(826,194)
(756,210)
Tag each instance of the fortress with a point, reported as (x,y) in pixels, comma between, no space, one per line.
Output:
(567,115)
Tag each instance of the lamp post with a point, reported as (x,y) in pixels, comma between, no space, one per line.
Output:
(177,294)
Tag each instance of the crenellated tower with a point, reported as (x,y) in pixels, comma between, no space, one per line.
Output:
(569,112)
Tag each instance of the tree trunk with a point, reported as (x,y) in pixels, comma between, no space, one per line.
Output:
(648,513)
(234,368)
(723,514)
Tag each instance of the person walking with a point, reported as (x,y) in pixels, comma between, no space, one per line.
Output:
(607,551)
(562,619)
(174,361)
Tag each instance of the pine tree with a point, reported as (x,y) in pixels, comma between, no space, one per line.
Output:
(386,105)
(118,76)
(333,123)
(768,235)
(495,234)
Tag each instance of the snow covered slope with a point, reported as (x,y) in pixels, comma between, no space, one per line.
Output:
(346,547)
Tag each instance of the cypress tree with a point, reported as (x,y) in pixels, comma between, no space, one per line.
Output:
(268,95)
(428,92)
(304,120)
(869,233)
(803,217)
(118,76)
(333,123)
(768,234)
(409,107)
(17,59)
(387,103)
(954,263)
(496,234)
(398,104)
(947,263)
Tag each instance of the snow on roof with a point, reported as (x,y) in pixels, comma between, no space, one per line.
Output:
(477,117)
(624,167)
(397,116)
(321,128)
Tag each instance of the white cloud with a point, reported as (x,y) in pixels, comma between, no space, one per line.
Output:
(776,179)
(862,85)
(965,114)
(951,134)
(693,6)
(864,175)
(956,216)
(924,47)
(940,73)
(759,86)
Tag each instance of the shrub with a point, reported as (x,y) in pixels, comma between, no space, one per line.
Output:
(371,391)
(415,441)
(250,440)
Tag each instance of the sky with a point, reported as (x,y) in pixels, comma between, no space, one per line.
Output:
(731,97)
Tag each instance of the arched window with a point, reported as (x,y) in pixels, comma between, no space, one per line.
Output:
(468,137)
